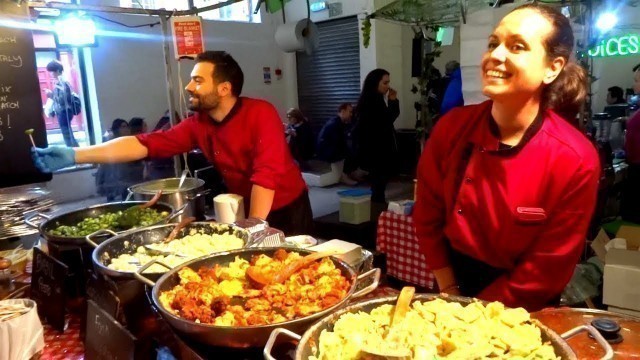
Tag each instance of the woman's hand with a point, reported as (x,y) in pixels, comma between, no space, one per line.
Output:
(393,94)
(48,92)
(451,290)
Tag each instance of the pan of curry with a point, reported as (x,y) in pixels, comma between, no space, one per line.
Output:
(211,299)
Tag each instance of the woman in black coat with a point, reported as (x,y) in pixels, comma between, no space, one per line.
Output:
(377,110)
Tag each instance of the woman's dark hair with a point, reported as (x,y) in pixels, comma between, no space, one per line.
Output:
(617,93)
(297,115)
(370,92)
(55,65)
(116,125)
(226,69)
(567,93)
(136,125)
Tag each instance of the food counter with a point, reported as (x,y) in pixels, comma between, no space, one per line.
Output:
(208,301)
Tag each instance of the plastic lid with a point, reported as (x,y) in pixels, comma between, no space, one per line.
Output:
(609,329)
(354,192)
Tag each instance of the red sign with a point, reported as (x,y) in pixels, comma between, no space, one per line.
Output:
(187,36)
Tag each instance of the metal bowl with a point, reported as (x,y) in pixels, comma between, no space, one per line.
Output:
(307,343)
(74,217)
(246,336)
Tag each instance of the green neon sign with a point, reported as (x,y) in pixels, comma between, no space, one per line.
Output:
(617,46)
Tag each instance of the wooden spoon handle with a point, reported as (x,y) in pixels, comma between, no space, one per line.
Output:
(178,227)
(403,304)
(290,269)
(153,200)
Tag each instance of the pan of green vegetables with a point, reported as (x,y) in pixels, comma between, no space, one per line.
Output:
(72,227)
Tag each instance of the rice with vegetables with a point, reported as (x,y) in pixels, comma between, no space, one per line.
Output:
(437,329)
(188,248)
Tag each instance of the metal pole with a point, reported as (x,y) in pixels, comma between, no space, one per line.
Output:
(167,66)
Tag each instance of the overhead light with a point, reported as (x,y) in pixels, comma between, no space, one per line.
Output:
(75,30)
(606,21)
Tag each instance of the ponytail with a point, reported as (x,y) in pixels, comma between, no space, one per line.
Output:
(567,93)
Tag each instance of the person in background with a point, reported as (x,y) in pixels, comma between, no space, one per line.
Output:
(108,178)
(332,144)
(378,108)
(161,168)
(134,172)
(630,206)
(137,125)
(300,137)
(62,102)
(453,95)
(506,188)
(615,95)
(242,137)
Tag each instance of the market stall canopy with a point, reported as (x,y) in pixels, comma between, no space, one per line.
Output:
(429,12)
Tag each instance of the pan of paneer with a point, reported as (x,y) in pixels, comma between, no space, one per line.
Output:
(213,301)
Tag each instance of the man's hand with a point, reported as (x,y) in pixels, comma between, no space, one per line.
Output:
(393,95)
(53,158)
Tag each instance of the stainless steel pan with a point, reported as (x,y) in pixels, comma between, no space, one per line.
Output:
(307,343)
(247,336)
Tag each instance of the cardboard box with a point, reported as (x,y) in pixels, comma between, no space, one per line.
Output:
(622,269)
(624,311)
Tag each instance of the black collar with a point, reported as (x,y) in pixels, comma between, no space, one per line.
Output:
(531,131)
(230,115)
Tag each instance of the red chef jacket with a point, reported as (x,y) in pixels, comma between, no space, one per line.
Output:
(247,147)
(524,209)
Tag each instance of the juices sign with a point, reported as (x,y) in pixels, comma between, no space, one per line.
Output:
(617,46)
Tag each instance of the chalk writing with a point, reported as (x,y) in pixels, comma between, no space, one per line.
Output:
(43,287)
(10,105)
(12,60)
(8,40)
(43,266)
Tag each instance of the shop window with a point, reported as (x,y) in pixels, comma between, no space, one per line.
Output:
(46,51)
(241,11)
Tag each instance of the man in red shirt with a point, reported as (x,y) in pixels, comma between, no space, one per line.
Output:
(242,137)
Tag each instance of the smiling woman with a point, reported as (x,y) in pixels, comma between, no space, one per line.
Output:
(503,215)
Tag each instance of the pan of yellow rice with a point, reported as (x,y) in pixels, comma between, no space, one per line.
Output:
(436,327)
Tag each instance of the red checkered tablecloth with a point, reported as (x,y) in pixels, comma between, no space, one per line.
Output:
(66,345)
(397,239)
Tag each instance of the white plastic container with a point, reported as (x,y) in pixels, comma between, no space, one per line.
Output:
(355,206)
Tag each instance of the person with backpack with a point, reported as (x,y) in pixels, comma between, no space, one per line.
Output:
(65,103)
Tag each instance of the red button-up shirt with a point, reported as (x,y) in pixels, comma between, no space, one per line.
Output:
(248,147)
(525,209)
(632,140)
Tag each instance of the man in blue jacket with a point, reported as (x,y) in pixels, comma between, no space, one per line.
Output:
(453,94)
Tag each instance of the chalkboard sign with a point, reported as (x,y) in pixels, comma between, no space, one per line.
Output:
(98,291)
(47,288)
(106,338)
(20,101)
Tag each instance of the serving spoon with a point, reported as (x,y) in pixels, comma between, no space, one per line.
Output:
(403,304)
(260,280)
(131,216)
(181,225)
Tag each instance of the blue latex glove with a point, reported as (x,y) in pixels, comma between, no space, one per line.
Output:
(53,158)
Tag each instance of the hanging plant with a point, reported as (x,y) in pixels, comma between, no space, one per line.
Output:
(366,31)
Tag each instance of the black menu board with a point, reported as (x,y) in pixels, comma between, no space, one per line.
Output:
(20,101)
(47,288)
(106,339)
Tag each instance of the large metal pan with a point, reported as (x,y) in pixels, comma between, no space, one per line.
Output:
(75,216)
(307,343)
(247,336)
(190,194)
(128,243)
